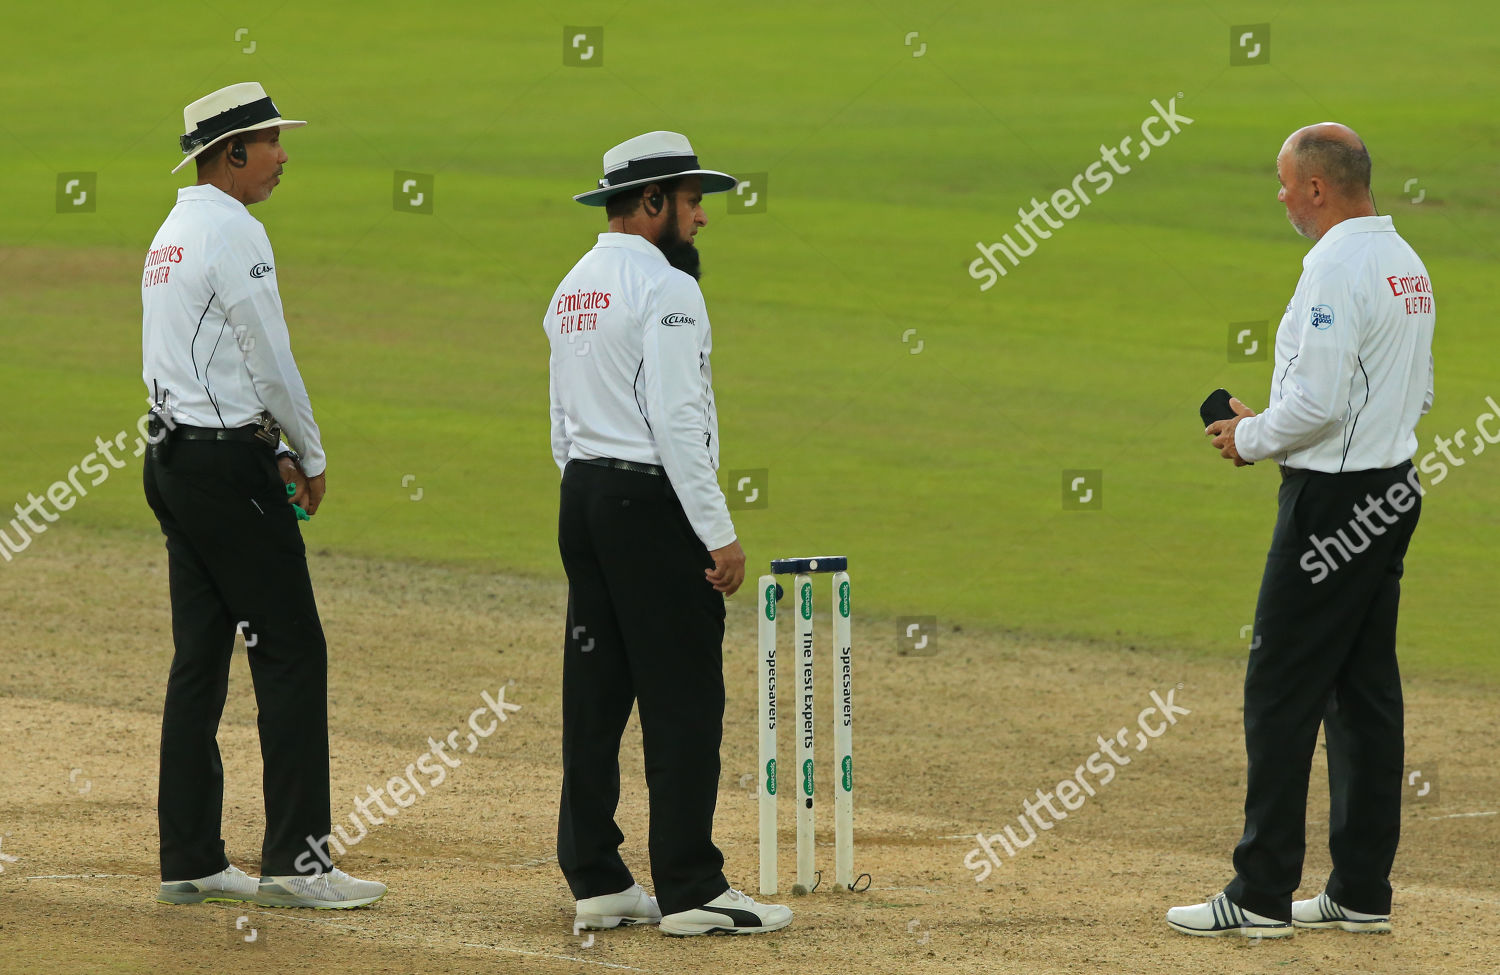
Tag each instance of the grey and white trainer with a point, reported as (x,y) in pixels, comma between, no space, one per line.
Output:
(230,885)
(331,891)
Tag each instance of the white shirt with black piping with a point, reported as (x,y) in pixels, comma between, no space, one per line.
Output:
(1354,368)
(215,346)
(630,377)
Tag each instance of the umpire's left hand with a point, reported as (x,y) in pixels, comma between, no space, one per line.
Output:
(729,568)
(292,474)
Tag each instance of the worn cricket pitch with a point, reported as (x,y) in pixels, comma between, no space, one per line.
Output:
(945,745)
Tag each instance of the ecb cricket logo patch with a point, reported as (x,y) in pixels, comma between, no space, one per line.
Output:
(678,320)
(1322,317)
(261,270)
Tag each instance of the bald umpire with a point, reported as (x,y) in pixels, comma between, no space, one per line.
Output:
(218,366)
(1353,376)
(648,547)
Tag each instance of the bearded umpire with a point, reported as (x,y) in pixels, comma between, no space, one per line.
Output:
(1353,376)
(218,366)
(648,546)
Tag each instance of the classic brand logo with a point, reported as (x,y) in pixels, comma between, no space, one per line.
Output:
(260,270)
(678,320)
(1322,317)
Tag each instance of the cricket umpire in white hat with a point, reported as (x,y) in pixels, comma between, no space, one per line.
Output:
(224,388)
(648,546)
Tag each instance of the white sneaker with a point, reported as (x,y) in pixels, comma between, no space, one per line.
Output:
(1322,912)
(230,885)
(1221,916)
(630,906)
(730,913)
(334,890)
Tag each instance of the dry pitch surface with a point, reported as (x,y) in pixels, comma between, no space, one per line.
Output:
(945,745)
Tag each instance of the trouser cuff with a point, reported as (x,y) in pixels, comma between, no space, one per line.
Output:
(694,896)
(1365,898)
(1266,905)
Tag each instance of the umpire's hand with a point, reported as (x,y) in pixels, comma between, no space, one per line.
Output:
(1223,433)
(309,490)
(729,568)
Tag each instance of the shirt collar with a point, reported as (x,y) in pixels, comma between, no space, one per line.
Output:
(634,242)
(1342,229)
(209,193)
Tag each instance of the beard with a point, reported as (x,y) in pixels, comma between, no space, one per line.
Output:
(679,250)
(1304,227)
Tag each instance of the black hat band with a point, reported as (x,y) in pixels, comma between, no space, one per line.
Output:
(239,117)
(639,169)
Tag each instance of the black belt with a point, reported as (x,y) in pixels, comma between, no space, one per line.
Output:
(623,465)
(251,434)
(1287,472)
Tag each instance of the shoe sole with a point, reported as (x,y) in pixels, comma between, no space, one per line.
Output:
(313,904)
(692,930)
(1246,931)
(608,922)
(1354,927)
(201,898)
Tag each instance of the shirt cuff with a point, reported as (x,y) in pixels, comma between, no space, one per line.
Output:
(1246,445)
(714,544)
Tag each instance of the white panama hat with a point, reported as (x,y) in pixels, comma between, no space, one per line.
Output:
(244,107)
(651,158)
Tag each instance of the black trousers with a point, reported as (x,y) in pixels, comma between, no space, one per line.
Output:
(644,626)
(235,555)
(1325,651)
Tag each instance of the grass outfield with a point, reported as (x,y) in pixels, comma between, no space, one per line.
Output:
(939,472)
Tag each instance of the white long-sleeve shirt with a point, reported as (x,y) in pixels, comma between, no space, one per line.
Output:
(630,376)
(1354,368)
(213,335)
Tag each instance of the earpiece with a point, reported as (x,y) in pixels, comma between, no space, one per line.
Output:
(654,203)
(237,154)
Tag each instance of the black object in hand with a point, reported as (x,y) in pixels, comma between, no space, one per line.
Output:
(1216,407)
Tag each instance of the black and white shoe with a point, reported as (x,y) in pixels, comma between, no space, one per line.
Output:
(630,906)
(730,913)
(1322,912)
(1221,916)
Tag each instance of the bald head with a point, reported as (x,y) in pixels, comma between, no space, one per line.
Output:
(1337,154)
(1325,177)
